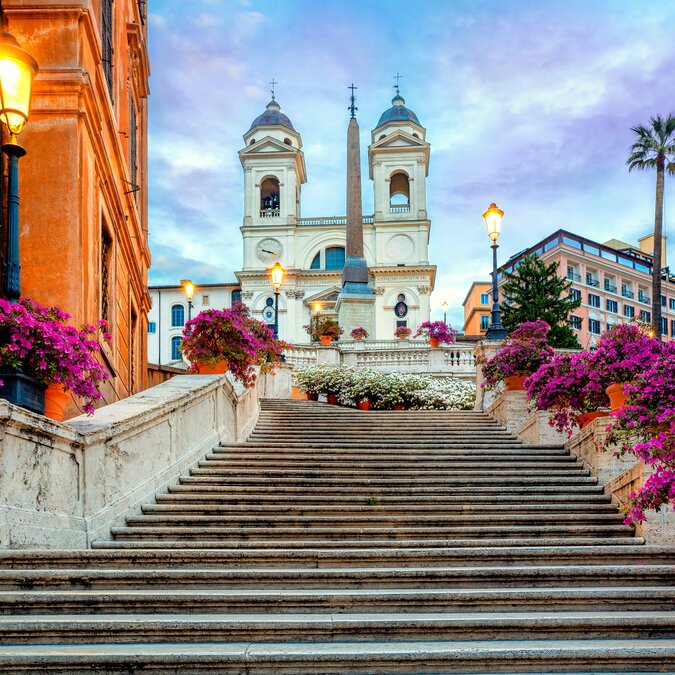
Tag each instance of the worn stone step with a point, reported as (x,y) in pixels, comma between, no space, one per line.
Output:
(333,578)
(333,627)
(440,598)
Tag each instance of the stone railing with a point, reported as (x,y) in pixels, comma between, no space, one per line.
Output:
(405,356)
(399,208)
(64,485)
(269,213)
(328,222)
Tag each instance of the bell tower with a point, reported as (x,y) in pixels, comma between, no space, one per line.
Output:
(274,171)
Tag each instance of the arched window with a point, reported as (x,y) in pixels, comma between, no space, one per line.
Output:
(316,263)
(175,347)
(335,258)
(177,316)
(252,141)
(399,191)
(269,197)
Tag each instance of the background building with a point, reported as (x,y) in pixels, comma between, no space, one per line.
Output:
(312,250)
(477,306)
(613,281)
(84,243)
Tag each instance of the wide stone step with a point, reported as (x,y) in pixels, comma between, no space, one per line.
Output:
(378,459)
(522,451)
(299,535)
(377,442)
(570,576)
(332,627)
(176,601)
(357,658)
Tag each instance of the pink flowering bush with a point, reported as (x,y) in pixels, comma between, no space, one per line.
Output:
(565,388)
(231,335)
(524,351)
(437,329)
(359,333)
(402,332)
(38,341)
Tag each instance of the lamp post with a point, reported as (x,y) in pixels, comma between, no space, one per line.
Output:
(189,289)
(317,314)
(444,307)
(17,70)
(277,274)
(493,223)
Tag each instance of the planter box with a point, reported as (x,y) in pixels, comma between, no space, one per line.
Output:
(22,390)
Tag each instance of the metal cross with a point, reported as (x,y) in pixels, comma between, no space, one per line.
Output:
(397,77)
(352,108)
(273,82)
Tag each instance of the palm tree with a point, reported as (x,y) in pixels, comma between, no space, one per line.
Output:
(655,147)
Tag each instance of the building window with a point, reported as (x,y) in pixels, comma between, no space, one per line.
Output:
(142,9)
(107,43)
(645,316)
(672,327)
(133,325)
(484,321)
(106,273)
(594,326)
(671,304)
(152,327)
(591,279)
(133,148)
(612,306)
(643,297)
(575,294)
(269,198)
(484,299)
(572,274)
(177,316)
(664,326)
(575,322)
(335,258)
(629,311)
(316,263)
(593,300)
(399,192)
(609,286)
(663,301)
(176,341)
(401,323)
(236,296)
(626,292)
(205,299)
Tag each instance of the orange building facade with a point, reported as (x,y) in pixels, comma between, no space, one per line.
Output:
(83,215)
(477,306)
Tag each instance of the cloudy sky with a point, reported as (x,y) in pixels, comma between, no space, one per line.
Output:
(526,103)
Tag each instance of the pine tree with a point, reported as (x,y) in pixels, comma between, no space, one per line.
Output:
(535,291)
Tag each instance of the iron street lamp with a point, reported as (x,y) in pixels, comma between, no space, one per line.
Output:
(444,307)
(189,289)
(493,223)
(17,70)
(317,314)
(277,274)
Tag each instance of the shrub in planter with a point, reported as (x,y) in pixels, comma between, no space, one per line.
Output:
(436,331)
(524,351)
(38,340)
(402,332)
(324,327)
(359,333)
(566,388)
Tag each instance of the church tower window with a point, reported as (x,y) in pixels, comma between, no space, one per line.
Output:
(269,198)
(399,192)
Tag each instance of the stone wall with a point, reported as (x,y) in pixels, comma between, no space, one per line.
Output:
(65,485)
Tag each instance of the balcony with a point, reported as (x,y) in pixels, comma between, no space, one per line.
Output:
(399,208)
(592,282)
(269,213)
(644,298)
(573,277)
(610,288)
(627,294)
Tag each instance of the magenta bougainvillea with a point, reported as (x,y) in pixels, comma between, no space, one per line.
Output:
(524,351)
(438,330)
(38,340)
(231,335)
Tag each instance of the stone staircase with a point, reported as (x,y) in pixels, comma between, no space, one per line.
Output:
(339,541)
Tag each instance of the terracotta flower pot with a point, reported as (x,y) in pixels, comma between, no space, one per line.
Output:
(312,396)
(219,369)
(398,407)
(358,338)
(56,400)
(585,419)
(364,404)
(332,399)
(434,343)
(617,399)
(326,340)
(515,383)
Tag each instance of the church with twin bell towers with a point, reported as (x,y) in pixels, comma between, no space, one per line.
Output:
(371,271)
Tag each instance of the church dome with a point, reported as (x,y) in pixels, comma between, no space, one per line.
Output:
(398,113)
(272,117)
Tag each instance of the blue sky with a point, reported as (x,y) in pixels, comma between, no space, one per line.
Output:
(528,104)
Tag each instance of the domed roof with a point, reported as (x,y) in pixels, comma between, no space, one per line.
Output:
(398,113)
(272,117)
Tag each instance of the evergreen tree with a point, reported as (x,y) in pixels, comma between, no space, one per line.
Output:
(535,291)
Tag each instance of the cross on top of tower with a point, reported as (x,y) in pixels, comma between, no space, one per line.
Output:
(352,108)
(397,77)
(272,83)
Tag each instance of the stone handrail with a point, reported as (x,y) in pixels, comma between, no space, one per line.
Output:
(333,220)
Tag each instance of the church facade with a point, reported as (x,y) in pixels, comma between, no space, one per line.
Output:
(312,250)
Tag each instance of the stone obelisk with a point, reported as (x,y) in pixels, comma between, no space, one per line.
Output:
(356,302)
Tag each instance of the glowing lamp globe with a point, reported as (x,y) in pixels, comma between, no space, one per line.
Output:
(277,273)
(17,70)
(189,288)
(493,221)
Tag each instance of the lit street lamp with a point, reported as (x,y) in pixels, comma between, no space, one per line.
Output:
(17,70)
(493,223)
(277,274)
(444,307)
(317,313)
(189,289)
